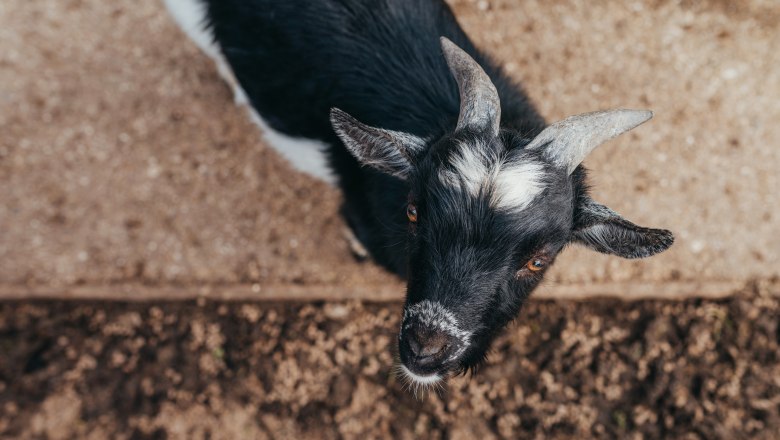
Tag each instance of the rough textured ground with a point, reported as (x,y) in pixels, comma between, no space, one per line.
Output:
(122,157)
(601,369)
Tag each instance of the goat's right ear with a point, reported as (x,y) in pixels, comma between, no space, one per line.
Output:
(388,151)
(605,231)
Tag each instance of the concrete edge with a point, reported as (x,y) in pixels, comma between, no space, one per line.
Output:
(629,291)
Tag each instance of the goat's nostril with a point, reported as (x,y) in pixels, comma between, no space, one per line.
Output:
(427,346)
(414,346)
(433,349)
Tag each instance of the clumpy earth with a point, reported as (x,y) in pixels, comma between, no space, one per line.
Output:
(222,370)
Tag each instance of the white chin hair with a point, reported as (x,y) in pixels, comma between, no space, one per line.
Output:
(420,380)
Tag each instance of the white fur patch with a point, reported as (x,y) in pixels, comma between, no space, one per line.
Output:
(514,185)
(517,184)
(470,169)
(306,155)
(434,315)
(190,15)
(420,380)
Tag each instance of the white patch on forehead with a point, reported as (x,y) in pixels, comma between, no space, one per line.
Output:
(514,184)
(434,315)
(470,169)
(517,184)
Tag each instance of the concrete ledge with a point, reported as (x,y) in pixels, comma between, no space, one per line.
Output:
(630,291)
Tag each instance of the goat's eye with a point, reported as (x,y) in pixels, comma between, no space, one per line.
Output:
(411,212)
(535,265)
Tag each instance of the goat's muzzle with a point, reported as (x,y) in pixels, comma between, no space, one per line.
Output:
(426,350)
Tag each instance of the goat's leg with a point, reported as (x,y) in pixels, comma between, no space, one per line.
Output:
(352,233)
(355,245)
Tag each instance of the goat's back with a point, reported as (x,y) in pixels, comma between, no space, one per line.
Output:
(378,60)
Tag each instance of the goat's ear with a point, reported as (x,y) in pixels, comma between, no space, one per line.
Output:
(605,231)
(389,151)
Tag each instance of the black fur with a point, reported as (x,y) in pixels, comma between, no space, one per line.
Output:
(380,61)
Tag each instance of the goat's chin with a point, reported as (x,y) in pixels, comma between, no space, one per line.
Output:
(423,380)
(418,383)
(415,382)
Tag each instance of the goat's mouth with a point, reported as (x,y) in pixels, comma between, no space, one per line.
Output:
(419,379)
(419,383)
(428,379)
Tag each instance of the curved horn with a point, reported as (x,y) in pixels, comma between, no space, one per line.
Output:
(480,107)
(567,142)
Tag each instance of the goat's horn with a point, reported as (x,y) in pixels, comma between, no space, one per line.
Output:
(480,107)
(567,142)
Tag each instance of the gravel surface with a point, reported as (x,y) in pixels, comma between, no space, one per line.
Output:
(649,369)
(123,158)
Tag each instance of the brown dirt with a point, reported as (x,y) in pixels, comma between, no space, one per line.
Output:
(650,369)
(123,159)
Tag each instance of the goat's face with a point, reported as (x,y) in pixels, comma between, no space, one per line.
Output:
(486,218)
(488,212)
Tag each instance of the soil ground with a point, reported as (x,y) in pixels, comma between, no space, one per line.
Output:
(226,370)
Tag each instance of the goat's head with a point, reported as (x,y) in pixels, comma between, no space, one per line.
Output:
(488,212)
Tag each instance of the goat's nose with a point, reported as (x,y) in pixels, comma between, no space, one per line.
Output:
(428,346)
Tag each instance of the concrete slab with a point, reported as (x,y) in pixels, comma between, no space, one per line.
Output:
(123,159)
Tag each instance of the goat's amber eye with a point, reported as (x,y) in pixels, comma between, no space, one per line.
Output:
(535,265)
(411,212)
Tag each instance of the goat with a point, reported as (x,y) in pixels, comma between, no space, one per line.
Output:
(450,176)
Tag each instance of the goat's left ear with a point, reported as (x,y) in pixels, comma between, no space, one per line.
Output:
(605,231)
(388,151)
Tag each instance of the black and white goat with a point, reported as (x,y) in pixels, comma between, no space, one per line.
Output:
(450,176)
